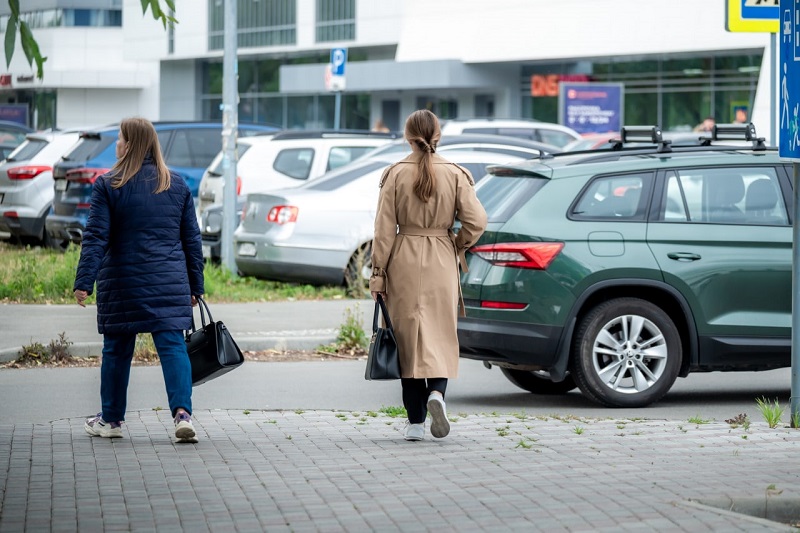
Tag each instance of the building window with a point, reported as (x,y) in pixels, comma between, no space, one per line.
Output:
(260,23)
(54,18)
(336,20)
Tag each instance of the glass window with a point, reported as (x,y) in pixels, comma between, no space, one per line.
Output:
(294,162)
(260,23)
(502,196)
(336,20)
(179,153)
(554,137)
(26,150)
(205,144)
(724,196)
(613,197)
(88,147)
(345,176)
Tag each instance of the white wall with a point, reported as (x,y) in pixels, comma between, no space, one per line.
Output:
(476,31)
(77,108)
(179,91)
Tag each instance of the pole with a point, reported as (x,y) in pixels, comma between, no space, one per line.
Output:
(337,115)
(230,127)
(795,400)
(773,88)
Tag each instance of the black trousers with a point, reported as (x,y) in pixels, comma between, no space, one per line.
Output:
(415,396)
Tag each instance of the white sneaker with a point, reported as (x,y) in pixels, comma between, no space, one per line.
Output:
(97,427)
(440,426)
(414,431)
(184,429)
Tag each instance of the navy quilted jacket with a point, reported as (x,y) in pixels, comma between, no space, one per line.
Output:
(144,250)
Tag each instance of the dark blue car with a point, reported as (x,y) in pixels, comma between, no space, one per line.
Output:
(188,148)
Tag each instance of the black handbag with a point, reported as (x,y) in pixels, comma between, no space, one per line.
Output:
(383,361)
(212,350)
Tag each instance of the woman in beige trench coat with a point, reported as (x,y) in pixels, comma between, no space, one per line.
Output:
(415,260)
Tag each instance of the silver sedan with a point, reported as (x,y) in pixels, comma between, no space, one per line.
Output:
(321,232)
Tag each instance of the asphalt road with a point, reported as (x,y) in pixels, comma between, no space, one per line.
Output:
(43,395)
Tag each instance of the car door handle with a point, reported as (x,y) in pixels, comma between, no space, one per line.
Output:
(683,256)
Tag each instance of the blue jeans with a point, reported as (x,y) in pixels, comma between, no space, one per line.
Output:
(116,370)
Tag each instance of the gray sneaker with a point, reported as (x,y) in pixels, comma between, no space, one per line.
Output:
(440,426)
(184,429)
(97,427)
(414,431)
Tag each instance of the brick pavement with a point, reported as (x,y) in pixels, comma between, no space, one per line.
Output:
(345,471)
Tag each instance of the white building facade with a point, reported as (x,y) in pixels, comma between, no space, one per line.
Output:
(460,58)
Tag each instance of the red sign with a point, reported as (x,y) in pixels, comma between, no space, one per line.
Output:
(5,80)
(547,84)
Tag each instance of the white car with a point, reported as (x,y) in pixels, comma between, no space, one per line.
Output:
(26,184)
(322,232)
(545,132)
(284,160)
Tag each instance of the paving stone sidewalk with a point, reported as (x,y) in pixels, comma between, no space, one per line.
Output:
(346,471)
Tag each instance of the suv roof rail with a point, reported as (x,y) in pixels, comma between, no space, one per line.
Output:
(651,134)
(735,132)
(320,134)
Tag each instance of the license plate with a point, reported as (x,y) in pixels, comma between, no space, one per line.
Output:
(247,249)
(61,185)
(206,251)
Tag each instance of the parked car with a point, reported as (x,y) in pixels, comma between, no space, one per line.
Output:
(619,270)
(26,184)
(211,217)
(322,232)
(286,159)
(188,149)
(13,133)
(546,132)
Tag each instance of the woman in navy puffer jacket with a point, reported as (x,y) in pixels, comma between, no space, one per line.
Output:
(142,245)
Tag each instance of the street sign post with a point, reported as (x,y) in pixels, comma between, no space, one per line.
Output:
(335,80)
(789,148)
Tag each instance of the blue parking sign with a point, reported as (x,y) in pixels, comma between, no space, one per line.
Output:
(338,61)
(789,139)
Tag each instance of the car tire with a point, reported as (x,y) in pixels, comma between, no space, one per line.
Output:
(359,269)
(627,353)
(538,382)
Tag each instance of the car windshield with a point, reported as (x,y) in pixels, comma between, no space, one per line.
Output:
(501,196)
(87,147)
(341,177)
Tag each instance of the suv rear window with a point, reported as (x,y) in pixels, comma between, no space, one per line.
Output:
(88,147)
(502,196)
(341,155)
(218,170)
(294,162)
(26,150)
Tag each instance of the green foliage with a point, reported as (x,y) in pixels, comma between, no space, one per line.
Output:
(697,420)
(351,333)
(394,412)
(772,412)
(55,352)
(38,275)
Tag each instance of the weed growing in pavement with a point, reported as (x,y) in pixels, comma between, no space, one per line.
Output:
(523,444)
(503,431)
(772,412)
(341,416)
(299,411)
(697,420)
(246,412)
(394,412)
(373,414)
(578,430)
(36,353)
(739,420)
(796,420)
(158,408)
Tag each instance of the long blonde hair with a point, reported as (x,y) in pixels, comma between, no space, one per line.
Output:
(142,141)
(422,129)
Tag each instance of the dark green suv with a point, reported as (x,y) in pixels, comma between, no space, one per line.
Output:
(619,270)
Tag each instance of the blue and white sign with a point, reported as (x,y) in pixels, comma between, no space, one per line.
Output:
(338,61)
(591,107)
(789,139)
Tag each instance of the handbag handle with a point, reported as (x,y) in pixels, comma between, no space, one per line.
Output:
(202,305)
(380,304)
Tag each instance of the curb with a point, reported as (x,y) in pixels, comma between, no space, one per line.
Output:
(246,344)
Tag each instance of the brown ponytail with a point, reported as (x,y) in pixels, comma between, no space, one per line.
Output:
(422,129)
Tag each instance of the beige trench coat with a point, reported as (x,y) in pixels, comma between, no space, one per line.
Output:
(415,261)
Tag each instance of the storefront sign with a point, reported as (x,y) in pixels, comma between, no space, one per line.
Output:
(591,107)
(14,113)
(5,80)
(547,84)
(789,133)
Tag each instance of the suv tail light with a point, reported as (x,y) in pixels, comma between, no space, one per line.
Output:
(238,185)
(534,255)
(27,172)
(86,175)
(282,214)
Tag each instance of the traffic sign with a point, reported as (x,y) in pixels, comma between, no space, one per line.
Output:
(338,61)
(789,139)
(761,16)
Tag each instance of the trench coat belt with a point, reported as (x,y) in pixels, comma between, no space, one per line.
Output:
(460,254)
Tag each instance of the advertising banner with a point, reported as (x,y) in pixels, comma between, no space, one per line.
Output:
(591,107)
(14,113)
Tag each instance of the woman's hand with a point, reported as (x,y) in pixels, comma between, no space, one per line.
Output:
(194,300)
(376,293)
(81,296)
